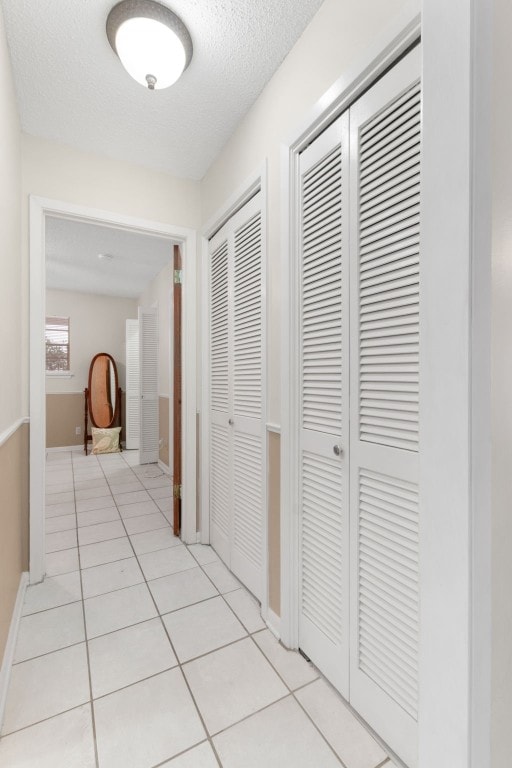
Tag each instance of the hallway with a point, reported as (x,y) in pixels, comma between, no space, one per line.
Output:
(163,640)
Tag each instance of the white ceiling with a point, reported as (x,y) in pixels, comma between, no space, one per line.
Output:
(72,262)
(72,88)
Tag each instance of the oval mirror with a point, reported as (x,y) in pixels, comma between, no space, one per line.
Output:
(102,391)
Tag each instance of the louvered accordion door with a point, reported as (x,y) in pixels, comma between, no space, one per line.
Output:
(385,136)
(324,407)
(236,379)
(148,367)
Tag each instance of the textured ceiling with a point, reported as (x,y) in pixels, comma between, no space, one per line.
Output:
(72,262)
(72,88)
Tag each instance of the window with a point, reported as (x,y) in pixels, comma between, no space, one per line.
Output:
(57,343)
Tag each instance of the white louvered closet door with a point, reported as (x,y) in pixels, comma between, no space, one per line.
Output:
(221,460)
(248,427)
(324,407)
(148,355)
(385,133)
(236,396)
(132,385)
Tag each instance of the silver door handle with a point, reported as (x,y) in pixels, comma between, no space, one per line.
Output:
(337,450)
(231,422)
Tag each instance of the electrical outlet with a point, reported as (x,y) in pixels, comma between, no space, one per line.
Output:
(78,430)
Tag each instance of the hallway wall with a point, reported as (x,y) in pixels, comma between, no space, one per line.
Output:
(299,83)
(13,433)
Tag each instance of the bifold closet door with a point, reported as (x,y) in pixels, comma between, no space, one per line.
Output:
(148,366)
(132,398)
(385,143)
(237,480)
(324,407)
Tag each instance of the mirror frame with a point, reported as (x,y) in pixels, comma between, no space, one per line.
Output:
(115,412)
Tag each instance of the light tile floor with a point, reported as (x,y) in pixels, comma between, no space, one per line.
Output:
(138,651)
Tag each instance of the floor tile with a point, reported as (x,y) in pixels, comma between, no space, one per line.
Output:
(151,541)
(59,487)
(293,668)
(91,534)
(155,482)
(129,655)
(166,561)
(64,741)
(54,542)
(163,492)
(56,510)
(62,562)
(92,493)
(49,630)
(52,592)
(197,757)
(145,523)
(116,610)
(147,723)
(164,505)
(221,577)
(202,628)
(46,686)
(181,589)
(246,608)
(100,502)
(105,552)
(203,553)
(136,510)
(111,576)
(126,487)
(95,516)
(281,736)
(232,683)
(59,498)
(82,485)
(60,523)
(351,742)
(133,497)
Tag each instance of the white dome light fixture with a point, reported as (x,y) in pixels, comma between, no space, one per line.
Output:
(153,44)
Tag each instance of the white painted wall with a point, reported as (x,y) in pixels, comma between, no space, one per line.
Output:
(333,41)
(12,407)
(158,292)
(58,172)
(97,324)
(502,389)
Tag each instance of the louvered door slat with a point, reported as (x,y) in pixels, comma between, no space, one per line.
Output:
(323,274)
(385,399)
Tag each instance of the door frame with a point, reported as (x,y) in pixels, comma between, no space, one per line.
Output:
(39,208)
(455,612)
(256,182)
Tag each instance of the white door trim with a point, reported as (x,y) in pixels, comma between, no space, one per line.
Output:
(40,208)
(257,181)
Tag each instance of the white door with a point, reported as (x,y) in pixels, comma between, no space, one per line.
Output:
(148,355)
(359,350)
(132,385)
(237,501)
(324,407)
(385,135)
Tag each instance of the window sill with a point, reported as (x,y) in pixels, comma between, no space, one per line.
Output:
(59,375)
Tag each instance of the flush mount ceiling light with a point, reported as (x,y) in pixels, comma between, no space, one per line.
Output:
(153,44)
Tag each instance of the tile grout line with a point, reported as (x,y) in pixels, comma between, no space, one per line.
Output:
(93,719)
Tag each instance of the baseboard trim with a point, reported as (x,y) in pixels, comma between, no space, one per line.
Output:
(65,448)
(273,622)
(5,669)
(164,467)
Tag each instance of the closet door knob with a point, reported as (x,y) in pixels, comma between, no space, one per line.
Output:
(231,422)
(337,450)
